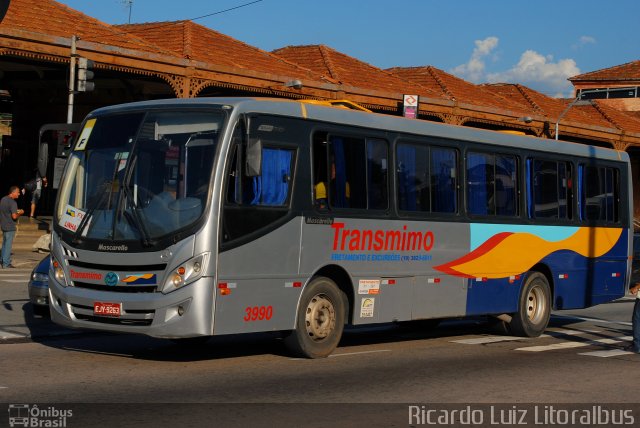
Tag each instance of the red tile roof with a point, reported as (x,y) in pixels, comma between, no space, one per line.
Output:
(185,39)
(350,71)
(454,88)
(627,121)
(594,114)
(190,40)
(620,73)
(52,18)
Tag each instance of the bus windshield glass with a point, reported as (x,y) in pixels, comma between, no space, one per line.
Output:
(139,175)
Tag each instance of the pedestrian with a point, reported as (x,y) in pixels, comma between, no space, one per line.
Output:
(9,214)
(40,182)
(635,320)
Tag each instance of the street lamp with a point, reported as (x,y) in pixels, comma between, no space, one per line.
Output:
(295,84)
(578,101)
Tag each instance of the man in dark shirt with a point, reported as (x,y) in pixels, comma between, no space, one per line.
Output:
(9,214)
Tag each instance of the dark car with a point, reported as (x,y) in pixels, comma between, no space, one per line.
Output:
(39,287)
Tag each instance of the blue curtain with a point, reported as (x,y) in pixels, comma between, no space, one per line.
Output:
(272,187)
(505,182)
(477,184)
(529,188)
(407,177)
(581,200)
(443,162)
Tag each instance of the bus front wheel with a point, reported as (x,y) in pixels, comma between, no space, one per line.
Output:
(534,307)
(320,320)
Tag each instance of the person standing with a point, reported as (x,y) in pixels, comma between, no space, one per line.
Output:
(9,214)
(41,182)
(635,320)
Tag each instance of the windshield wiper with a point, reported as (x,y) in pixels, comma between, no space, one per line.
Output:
(85,220)
(135,219)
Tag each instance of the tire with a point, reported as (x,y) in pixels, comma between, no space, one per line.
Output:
(319,321)
(534,307)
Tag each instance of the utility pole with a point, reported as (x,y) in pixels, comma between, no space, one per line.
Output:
(72,78)
(129,4)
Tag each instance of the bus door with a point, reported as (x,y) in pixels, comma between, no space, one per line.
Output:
(258,262)
(54,144)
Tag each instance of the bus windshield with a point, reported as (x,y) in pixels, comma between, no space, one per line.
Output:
(138,175)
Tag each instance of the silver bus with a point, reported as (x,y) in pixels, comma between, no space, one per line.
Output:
(199,217)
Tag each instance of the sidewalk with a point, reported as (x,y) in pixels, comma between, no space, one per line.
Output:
(17,321)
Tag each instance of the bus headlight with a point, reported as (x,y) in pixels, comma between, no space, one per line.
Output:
(58,272)
(186,273)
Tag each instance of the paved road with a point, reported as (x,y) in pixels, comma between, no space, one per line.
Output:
(371,380)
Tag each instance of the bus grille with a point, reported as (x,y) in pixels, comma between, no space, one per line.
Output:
(117,289)
(119,268)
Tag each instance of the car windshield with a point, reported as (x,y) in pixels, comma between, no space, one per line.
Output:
(138,176)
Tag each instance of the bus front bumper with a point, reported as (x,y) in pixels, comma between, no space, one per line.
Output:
(187,312)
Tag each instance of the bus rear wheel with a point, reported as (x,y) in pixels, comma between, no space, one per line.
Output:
(320,320)
(534,307)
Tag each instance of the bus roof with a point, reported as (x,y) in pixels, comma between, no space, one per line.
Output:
(324,113)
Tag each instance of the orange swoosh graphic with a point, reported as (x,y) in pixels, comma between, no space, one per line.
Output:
(507,254)
(132,278)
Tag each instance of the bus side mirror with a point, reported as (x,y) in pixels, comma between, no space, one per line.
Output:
(43,159)
(253,158)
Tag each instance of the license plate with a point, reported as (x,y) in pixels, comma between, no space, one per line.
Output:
(107,309)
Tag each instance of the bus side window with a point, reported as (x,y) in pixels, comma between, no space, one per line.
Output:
(599,198)
(549,189)
(427,178)
(350,172)
(480,183)
(255,202)
(492,187)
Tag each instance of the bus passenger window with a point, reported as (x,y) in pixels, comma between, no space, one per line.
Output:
(377,173)
(550,189)
(350,172)
(599,197)
(427,178)
(492,187)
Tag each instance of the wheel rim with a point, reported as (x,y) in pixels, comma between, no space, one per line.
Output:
(320,317)
(536,304)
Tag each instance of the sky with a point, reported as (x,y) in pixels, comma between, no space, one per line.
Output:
(536,43)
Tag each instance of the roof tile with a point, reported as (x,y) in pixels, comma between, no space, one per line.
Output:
(452,87)
(623,72)
(194,41)
(350,71)
(57,19)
